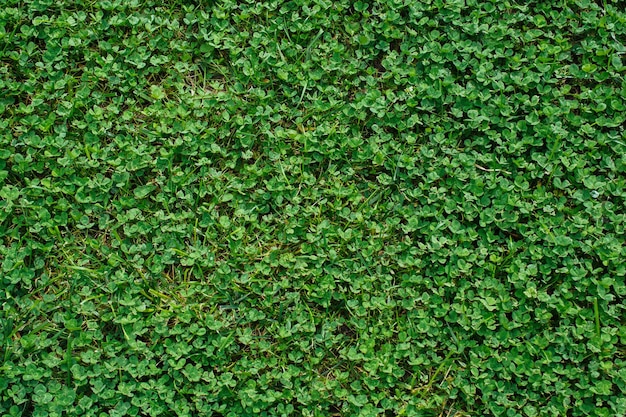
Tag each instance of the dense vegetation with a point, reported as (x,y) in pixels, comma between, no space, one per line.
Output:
(312,207)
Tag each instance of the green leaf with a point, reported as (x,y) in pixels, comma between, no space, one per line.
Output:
(143,191)
(9,193)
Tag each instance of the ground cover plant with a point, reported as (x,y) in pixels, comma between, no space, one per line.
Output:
(312,208)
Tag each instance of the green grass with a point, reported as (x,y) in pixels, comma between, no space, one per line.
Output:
(312,208)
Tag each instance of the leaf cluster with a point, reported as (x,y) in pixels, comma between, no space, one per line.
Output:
(312,207)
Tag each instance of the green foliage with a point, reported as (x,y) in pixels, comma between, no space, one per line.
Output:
(236,208)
